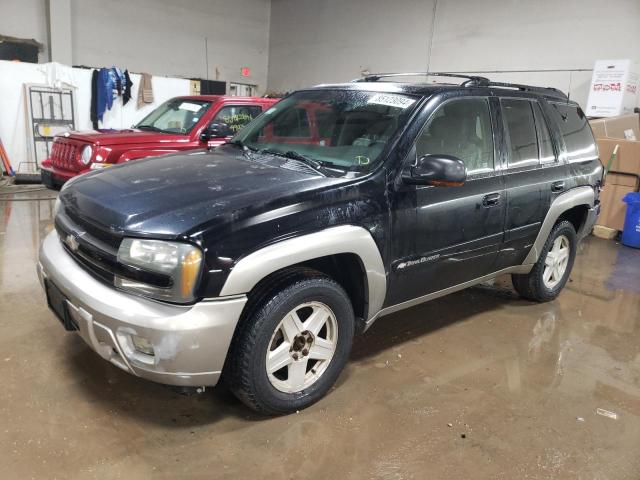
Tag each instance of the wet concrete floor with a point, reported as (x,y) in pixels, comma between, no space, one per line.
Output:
(479,384)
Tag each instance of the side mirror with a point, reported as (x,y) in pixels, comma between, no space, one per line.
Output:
(215,130)
(437,170)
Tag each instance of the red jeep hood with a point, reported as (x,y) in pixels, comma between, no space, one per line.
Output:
(119,137)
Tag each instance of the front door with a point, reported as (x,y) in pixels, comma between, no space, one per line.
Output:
(450,235)
(230,119)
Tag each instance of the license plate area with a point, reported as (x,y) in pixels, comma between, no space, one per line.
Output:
(58,304)
(47,178)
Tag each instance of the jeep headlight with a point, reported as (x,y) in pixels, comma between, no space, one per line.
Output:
(85,154)
(180,262)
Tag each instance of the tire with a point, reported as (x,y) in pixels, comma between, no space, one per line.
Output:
(312,353)
(538,285)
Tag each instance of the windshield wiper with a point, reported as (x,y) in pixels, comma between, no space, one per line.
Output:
(293,155)
(241,144)
(152,128)
(246,149)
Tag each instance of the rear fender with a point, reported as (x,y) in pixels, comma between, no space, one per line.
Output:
(576,196)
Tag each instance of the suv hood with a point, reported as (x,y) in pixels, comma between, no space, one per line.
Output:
(119,137)
(174,195)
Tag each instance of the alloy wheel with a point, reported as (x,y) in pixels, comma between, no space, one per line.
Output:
(556,262)
(302,347)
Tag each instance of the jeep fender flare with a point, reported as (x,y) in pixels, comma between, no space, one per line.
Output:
(334,240)
(576,196)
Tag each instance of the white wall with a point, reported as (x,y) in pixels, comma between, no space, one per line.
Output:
(14,130)
(320,41)
(25,19)
(309,39)
(161,37)
(166,37)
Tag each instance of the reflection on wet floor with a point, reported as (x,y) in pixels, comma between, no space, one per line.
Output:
(480,384)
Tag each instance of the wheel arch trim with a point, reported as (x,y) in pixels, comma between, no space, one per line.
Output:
(577,196)
(331,241)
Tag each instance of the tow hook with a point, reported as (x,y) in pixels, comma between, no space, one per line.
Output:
(187,391)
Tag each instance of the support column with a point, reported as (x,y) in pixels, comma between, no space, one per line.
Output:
(60,41)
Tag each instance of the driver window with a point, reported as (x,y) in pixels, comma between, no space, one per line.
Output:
(461,128)
(235,117)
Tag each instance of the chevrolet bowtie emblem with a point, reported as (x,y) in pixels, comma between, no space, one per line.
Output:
(71,242)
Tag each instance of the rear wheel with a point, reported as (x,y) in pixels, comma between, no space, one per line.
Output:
(551,272)
(293,345)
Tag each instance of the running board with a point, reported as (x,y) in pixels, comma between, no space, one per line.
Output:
(441,293)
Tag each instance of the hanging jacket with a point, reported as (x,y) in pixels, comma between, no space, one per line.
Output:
(104,93)
(119,80)
(94,99)
(126,96)
(145,90)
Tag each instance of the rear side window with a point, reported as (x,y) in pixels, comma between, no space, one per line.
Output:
(544,139)
(521,132)
(576,132)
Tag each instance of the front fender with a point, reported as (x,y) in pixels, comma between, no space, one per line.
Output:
(331,241)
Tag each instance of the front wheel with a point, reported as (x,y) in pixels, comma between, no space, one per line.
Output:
(550,273)
(293,345)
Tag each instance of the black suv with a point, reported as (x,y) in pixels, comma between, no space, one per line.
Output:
(257,262)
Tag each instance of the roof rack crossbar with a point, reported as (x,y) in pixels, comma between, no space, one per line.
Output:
(471,81)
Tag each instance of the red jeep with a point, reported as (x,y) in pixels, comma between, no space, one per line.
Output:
(182,123)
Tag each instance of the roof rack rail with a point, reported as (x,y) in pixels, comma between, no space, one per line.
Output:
(529,88)
(471,80)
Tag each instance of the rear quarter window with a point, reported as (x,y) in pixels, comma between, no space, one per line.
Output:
(576,132)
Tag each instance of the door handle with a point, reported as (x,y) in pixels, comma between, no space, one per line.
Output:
(491,200)
(557,186)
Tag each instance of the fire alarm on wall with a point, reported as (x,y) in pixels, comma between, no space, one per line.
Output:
(245,72)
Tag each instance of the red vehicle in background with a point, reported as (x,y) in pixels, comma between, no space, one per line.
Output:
(182,123)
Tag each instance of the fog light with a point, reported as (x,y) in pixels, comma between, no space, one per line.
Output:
(142,345)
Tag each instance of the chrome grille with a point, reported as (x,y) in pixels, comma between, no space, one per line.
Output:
(96,250)
(98,257)
(64,154)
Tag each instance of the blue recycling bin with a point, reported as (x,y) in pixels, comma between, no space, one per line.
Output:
(631,232)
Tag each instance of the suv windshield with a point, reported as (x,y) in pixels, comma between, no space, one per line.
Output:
(175,116)
(341,128)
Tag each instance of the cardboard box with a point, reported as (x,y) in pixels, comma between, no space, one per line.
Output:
(625,126)
(628,158)
(613,209)
(614,88)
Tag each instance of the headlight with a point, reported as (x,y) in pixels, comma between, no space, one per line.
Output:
(56,207)
(85,155)
(180,262)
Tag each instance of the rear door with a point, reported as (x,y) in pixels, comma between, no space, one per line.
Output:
(533,175)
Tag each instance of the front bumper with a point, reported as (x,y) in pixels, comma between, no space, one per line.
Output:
(54,177)
(190,342)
